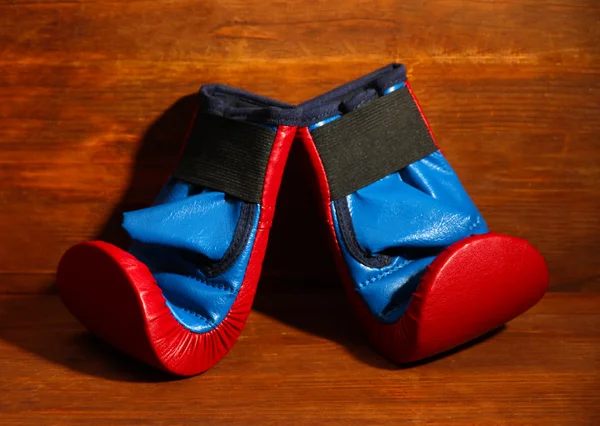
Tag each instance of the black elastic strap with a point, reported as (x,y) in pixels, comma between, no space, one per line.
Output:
(373,141)
(227,155)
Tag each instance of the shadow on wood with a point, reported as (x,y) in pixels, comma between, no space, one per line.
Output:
(154,162)
(44,327)
(41,325)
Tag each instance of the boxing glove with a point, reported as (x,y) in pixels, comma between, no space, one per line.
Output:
(179,297)
(421,269)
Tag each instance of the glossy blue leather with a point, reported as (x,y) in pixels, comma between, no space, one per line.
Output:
(203,222)
(410,216)
(185,228)
(422,206)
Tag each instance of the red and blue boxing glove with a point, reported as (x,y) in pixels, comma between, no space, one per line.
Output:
(179,298)
(421,269)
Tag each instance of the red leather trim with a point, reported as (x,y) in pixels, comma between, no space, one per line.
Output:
(473,287)
(422,113)
(306,139)
(115,296)
(277,160)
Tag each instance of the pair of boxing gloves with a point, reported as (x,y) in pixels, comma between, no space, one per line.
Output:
(420,268)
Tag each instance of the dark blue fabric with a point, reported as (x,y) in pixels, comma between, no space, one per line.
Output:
(189,229)
(410,216)
(238,104)
(344,98)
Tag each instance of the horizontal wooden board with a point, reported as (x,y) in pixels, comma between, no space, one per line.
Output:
(96,96)
(302,360)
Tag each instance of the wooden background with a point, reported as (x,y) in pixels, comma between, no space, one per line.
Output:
(95,97)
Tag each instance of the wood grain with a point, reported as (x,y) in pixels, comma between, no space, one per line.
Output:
(94,100)
(302,360)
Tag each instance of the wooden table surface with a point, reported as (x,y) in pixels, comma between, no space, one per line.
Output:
(95,98)
(301,361)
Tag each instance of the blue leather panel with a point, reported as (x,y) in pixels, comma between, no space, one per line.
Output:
(201,303)
(411,215)
(424,205)
(184,229)
(203,223)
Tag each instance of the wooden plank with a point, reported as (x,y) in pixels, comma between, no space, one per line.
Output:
(302,360)
(524,165)
(95,98)
(238,30)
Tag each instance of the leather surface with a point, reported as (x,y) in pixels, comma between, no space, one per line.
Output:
(116,296)
(442,299)
(471,288)
(424,205)
(199,302)
(171,238)
(411,216)
(202,222)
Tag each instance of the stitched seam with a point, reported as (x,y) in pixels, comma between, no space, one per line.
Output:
(220,286)
(475,224)
(194,313)
(383,275)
